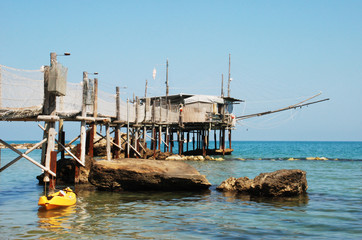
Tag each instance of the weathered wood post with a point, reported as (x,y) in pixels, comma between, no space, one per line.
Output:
(49,108)
(215,147)
(118,126)
(128,140)
(84,114)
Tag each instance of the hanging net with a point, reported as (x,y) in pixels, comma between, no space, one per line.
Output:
(21,92)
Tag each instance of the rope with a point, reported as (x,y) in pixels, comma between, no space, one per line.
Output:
(22,70)
(263,125)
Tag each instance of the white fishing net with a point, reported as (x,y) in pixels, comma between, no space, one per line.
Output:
(21,89)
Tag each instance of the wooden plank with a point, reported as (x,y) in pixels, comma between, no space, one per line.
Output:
(48,118)
(93,119)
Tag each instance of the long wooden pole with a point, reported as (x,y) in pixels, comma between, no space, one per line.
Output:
(118,126)
(84,114)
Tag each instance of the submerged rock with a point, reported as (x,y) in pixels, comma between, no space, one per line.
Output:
(279,183)
(141,174)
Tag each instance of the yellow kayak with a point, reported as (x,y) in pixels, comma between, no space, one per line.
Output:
(63,198)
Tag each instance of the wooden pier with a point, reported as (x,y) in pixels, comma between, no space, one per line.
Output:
(182,121)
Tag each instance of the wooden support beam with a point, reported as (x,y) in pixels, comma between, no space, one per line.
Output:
(130,145)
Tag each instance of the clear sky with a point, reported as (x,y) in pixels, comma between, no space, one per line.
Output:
(280,51)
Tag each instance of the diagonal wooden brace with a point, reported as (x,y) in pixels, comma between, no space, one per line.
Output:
(28,158)
(20,157)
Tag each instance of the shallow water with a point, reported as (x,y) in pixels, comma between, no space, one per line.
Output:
(331,209)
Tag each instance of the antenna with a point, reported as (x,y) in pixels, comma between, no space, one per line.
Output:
(167,77)
(229,79)
(222,85)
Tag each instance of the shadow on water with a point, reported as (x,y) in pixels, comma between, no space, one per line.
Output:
(278,202)
(141,196)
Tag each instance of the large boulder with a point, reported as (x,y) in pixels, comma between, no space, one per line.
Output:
(142,174)
(275,184)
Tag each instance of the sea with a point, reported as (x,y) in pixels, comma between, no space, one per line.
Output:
(331,209)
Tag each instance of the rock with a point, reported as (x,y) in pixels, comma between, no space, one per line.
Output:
(279,183)
(141,174)
(228,185)
(66,171)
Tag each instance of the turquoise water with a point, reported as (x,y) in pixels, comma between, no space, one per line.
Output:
(331,209)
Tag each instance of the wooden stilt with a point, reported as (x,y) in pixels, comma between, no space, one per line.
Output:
(193,140)
(154,141)
(53,167)
(230,138)
(223,141)
(171,139)
(159,136)
(203,143)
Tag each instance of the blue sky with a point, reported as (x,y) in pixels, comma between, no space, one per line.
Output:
(280,51)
